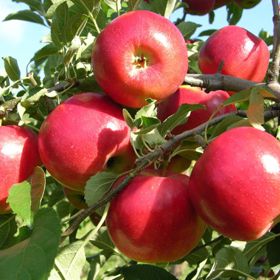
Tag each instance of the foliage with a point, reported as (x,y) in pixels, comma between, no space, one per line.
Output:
(30,237)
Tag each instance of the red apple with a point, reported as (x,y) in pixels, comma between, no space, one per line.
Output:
(18,156)
(82,136)
(247,4)
(139,55)
(220,3)
(192,95)
(237,52)
(235,185)
(152,219)
(199,7)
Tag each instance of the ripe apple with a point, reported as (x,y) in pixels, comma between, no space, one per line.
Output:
(82,136)
(152,219)
(237,52)
(199,7)
(135,58)
(220,3)
(192,95)
(18,156)
(235,185)
(247,4)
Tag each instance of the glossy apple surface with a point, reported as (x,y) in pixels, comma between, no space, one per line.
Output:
(199,7)
(238,52)
(235,185)
(247,4)
(152,219)
(192,95)
(82,136)
(139,55)
(18,156)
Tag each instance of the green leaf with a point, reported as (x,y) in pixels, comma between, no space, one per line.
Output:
(255,112)
(177,118)
(38,183)
(229,262)
(70,261)
(25,15)
(44,52)
(149,110)
(234,13)
(144,272)
(170,6)
(11,68)
(187,28)
(7,228)
(273,249)
(34,257)
(223,125)
(239,97)
(98,185)
(19,200)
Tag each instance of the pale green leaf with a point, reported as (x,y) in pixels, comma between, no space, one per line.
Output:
(19,200)
(11,68)
(98,185)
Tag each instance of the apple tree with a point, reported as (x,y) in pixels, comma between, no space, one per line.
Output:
(133,148)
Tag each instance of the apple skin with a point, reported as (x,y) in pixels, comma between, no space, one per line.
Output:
(247,4)
(235,185)
(199,7)
(18,156)
(193,95)
(152,219)
(84,135)
(243,54)
(135,58)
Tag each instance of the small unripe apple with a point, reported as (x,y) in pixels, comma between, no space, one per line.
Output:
(18,156)
(139,55)
(84,135)
(199,7)
(192,95)
(235,51)
(152,219)
(247,4)
(235,185)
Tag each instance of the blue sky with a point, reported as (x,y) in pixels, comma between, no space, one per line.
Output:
(21,39)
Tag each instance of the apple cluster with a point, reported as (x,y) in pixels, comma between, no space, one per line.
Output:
(203,7)
(233,187)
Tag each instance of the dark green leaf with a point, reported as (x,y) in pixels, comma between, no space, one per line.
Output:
(177,118)
(144,272)
(25,15)
(207,32)
(188,28)
(44,52)
(33,258)
(98,185)
(211,17)
(11,68)
(234,13)
(19,200)
(7,228)
(273,249)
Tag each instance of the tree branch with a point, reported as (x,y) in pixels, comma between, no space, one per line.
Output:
(275,66)
(148,159)
(229,83)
